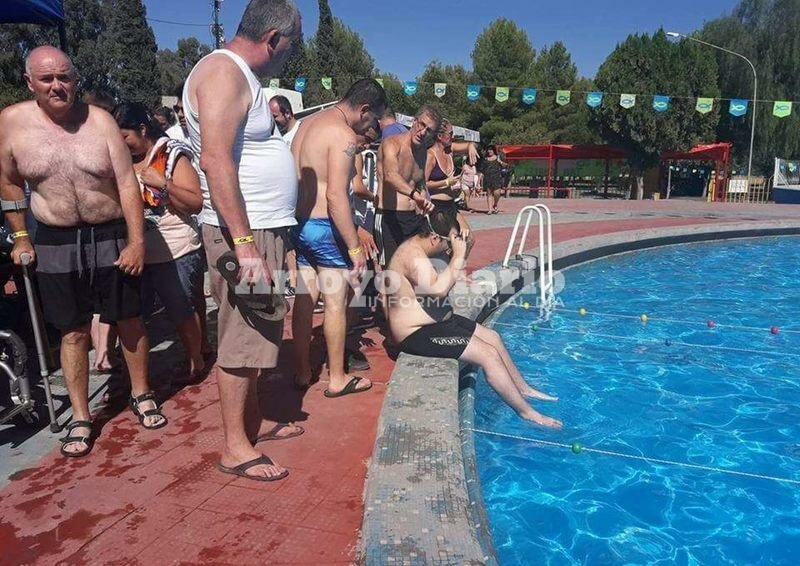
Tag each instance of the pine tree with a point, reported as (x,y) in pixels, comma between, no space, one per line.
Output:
(130,46)
(175,66)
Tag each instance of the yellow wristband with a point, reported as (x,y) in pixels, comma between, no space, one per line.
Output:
(243,240)
(20,234)
(355,251)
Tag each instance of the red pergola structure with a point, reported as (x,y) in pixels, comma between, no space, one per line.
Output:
(719,153)
(554,152)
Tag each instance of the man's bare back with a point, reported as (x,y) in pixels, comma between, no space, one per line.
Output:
(330,133)
(69,169)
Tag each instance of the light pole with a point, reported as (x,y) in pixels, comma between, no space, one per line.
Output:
(755,91)
(216,28)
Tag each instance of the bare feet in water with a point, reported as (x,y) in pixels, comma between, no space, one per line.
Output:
(532,393)
(542,420)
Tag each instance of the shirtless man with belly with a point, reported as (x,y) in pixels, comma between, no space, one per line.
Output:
(402,198)
(423,324)
(329,251)
(89,257)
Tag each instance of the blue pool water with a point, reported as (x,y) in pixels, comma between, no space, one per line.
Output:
(651,389)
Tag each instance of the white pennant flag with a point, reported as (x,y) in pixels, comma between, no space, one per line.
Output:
(439,89)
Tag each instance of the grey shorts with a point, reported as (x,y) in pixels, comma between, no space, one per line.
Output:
(177,284)
(244,342)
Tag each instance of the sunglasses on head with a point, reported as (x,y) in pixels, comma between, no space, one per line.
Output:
(447,239)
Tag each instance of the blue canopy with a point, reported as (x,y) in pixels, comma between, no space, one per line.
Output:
(45,12)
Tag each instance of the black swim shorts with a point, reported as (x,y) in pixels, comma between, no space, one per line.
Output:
(446,339)
(77,277)
(392,228)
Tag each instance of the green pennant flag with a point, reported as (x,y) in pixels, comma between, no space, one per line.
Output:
(562,97)
(379,81)
(501,93)
(704,105)
(327,82)
(782,108)
(274,83)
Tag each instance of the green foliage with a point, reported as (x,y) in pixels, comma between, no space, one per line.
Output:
(334,51)
(764,31)
(454,104)
(651,65)
(174,66)
(503,55)
(85,23)
(128,41)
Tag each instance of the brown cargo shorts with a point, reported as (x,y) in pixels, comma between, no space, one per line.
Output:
(244,342)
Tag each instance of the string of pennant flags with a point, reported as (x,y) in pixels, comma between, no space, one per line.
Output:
(528,96)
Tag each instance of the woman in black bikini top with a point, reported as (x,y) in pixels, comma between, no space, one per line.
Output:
(441,181)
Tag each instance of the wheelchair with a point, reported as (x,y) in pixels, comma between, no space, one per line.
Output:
(14,352)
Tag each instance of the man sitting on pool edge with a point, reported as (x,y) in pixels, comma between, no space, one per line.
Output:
(424,324)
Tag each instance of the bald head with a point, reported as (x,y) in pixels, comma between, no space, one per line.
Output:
(51,79)
(47,56)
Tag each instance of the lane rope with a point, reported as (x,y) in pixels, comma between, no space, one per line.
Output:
(653,341)
(647,459)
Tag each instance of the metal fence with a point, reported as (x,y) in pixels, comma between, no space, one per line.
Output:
(759,190)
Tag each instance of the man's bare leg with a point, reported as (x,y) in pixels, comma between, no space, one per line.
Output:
(485,355)
(493,338)
(335,290)
(305,298)
(75,364)
(234,388)
(135,348)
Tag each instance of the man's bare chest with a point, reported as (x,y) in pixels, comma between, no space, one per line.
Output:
(43,155)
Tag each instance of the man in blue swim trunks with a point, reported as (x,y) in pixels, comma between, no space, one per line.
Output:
(329,253)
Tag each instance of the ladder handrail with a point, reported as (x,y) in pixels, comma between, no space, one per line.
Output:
(546,283)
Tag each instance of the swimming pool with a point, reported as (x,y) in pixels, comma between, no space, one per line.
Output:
(703,382)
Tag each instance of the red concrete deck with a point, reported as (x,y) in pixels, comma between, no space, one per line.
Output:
(154,497)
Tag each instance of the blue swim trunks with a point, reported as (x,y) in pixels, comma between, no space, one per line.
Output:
(318,244)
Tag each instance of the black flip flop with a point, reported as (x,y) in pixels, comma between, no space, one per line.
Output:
(349,389)
(271,306)
(241,469)
(70,438)
(134,405)
(272,434)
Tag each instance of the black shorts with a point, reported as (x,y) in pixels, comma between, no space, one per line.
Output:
(446,339)
(392,228)
(77,277)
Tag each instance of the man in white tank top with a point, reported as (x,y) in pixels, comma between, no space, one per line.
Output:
(249,190)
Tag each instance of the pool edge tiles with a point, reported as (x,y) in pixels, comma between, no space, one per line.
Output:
(402,526)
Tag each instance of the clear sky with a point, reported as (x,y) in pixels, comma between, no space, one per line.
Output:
(403,35)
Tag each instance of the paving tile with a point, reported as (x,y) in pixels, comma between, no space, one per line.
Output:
(311,546)
(201,527)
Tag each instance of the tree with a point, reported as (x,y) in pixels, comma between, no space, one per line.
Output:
(503,56)
(764,31)
(652,64)
(130,45)
(85,24)
(340,55)
(174,66)
(454,104)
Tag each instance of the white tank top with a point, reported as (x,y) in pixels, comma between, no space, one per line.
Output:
(267,175)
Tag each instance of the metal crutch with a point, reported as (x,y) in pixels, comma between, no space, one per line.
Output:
(41,348)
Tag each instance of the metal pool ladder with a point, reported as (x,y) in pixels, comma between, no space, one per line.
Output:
(545,259)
